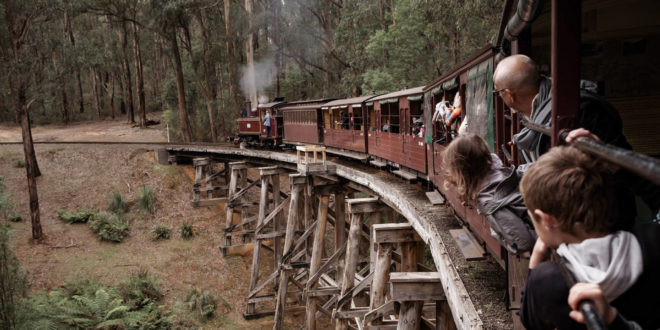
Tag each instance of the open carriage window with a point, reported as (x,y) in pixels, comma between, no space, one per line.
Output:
(357,117)
(326,118)
(384,118)
(394,117)
(371,120)
(416,119)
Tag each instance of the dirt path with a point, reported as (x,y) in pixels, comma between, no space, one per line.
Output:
(77,177)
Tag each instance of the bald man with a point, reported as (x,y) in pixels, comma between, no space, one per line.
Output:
(524,90)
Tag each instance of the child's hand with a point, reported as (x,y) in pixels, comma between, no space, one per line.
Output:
(540,253)
(593,292)
(580,132)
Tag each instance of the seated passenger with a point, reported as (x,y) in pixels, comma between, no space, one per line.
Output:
(343,119)
(480,176)
(572,204)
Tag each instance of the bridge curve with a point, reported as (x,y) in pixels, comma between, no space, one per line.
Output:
(407,201)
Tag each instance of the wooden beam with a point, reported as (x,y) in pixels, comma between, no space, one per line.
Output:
(242,192)
(365,205)
(272,215)
(395,233)
(315,263)
(416,286)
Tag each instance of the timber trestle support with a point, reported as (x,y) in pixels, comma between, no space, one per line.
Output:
(321,248)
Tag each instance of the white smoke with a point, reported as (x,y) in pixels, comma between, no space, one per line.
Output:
(262,77)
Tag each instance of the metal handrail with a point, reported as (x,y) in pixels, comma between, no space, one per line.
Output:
(642,165)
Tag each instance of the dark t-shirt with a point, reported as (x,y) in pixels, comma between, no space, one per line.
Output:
(545,298)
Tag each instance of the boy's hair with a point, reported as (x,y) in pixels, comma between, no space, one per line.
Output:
(466,161)
(574,188)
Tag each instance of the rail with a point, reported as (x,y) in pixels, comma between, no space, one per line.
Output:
(641,165)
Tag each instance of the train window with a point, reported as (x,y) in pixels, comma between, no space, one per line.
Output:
(384,117)
(394,117)
(357,118)
(415,119)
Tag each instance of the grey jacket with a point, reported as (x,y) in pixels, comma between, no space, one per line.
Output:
(501,203)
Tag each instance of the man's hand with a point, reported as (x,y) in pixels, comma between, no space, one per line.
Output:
(593,292)
(540,253)
(580,132)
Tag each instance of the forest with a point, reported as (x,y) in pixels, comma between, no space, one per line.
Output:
(203,62)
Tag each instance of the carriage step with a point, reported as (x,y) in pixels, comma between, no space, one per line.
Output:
(468,245)
(378,163)
(405,175)
(435,197)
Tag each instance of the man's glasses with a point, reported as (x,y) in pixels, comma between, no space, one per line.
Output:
(498,92)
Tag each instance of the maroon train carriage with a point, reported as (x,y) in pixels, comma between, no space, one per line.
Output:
(472,81)
(303,123)
(276,122)
(395,136)
(346,136)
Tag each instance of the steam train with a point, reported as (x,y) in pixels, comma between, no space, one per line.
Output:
(615,44)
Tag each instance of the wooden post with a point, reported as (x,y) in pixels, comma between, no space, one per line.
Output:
(256,250)
(244,198)
(411,311)
(308,214)
(230,192)
(277,246)
(381,275)
(291,226)
(317,253)
(352,255)
(340,233)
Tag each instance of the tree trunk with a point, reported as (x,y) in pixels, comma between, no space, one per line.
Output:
(65,106)
(32,170)
(122,101)
(112,96)
(249,52)
(180,88)
(277,40)
(140,80)
(233,87)
(127,71)
(68,31)
(97,100)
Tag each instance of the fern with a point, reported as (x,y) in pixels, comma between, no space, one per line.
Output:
(75,217)
(109,227)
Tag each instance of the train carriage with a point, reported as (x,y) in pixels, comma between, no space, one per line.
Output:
(472,81)
(396,134)
(303,123)
(344,128)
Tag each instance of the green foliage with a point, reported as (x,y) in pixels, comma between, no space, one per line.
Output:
(117,203)
(13,283)
(202,303)
(160,232)
(146,200)
(140,290)
(75,217)
(20,163)
(89,305)
(6,205)
(108,226)
(15,218)
(187,230)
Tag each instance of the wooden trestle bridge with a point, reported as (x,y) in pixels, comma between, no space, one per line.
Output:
(352,284)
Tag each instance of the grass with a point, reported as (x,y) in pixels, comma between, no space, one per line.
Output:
(146,200)
(117,203)
(15,218)
(201,303)
(19,163)
(160,232)
(187,230)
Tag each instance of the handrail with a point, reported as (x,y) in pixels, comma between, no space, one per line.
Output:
(642,165)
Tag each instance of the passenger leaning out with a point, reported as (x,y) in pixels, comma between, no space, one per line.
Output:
(570,199)
(480,177)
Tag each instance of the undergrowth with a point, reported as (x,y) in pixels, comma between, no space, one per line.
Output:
(117,203)
(13,283)
(160,232)
(201,303)
(19,163)
(146,200)
(187,230)
(140,290)
(109,226)
(6,206)
(75,217)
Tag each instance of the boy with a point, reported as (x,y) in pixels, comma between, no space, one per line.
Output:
(573,208)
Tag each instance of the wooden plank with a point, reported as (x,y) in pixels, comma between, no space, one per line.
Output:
(242,223)
(405,175)
(435,198)
(416,286)
(383,310)
(326,266)
(323,291)
(270,235)
(348,154)
(467,244)
(211,202)
(272,214)
(351,313)
(363,284)
(258,288)
(415,277)
(315,263)
(378,163)
(242,191)
(394,233)
(364,205)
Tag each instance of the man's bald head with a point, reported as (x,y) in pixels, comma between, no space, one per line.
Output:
(518,73)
